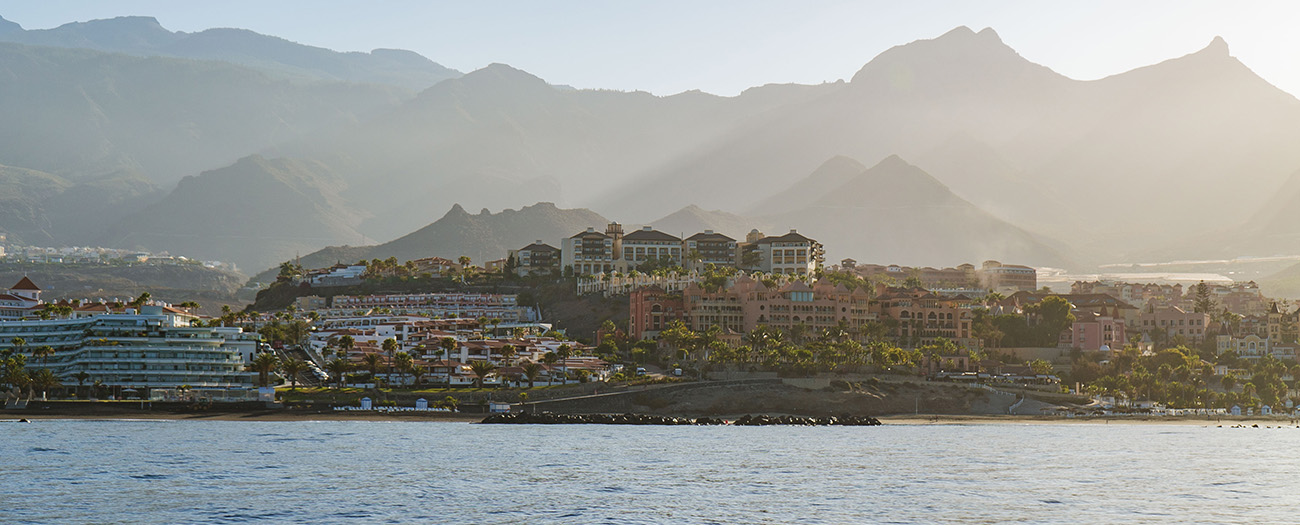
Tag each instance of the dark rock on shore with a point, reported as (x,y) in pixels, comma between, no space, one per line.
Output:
(547,418)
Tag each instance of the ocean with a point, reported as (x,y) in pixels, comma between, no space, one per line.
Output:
(70,471)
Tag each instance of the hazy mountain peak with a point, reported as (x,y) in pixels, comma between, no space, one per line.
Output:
(456,210)
(131,22)
(892,162)
(965,35)
(842,161)
(1217,47)
(7,26)
(496,74)
(959,53)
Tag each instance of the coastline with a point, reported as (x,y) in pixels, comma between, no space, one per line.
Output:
(1001,419)
(98,413)
(122,414)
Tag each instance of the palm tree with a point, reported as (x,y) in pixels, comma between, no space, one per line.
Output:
(508,354)
(390,348)
(44,380)
(263,364)
(481,369)
(531,371)
(404,363)
(81,378)
(43,353)
(346,343)
(291,368)
(447,344)
(550,358)
(339,368)
(417,373)
(564,352)
(372,362)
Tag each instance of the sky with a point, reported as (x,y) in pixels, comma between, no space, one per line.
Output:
(725,46)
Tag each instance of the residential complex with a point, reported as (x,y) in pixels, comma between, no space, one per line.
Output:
(989,276)
(792,253)
(592,252)
(151,348)
(435,305)
(537,257)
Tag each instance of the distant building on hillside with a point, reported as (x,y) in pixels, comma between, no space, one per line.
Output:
(21,300)
(1095,332)
(337,275)
(435,266)
(537,257)
(711,248)
(921,317)
(792,253)
(999,277)
(591,252)
(648,244)
(651,309)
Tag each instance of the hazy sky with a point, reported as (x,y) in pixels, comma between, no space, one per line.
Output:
(668,46)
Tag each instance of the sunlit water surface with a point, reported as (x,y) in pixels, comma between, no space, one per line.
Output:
(416,472)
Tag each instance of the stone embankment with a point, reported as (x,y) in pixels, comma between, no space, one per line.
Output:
(547,418)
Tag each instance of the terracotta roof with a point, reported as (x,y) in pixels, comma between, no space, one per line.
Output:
(795,286)
(25,284)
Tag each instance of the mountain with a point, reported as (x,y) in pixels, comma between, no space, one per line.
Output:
(833,173)
(21,193)
(482,237)
(904,101)
(144,36)
(694,219)
(78,113)
(256,213)
(897,213)
(501,137)
(38,208)
(1092,161)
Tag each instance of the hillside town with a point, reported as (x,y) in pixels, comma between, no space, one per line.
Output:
(72,255)
(698,308)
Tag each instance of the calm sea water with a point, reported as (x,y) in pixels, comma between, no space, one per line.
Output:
(421,472)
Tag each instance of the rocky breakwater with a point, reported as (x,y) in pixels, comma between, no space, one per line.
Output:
(547,418)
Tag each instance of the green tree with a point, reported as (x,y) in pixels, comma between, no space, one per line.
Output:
(264,364)
(338,367)
(44,380)
(531,372)
(404,364)
(1054,316)
(1204,303)
(417,374)
(139,301)
(1041,367)
(482,369)
(390,347)
(372,362)
(81,377)
(550,358)
(291,368)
